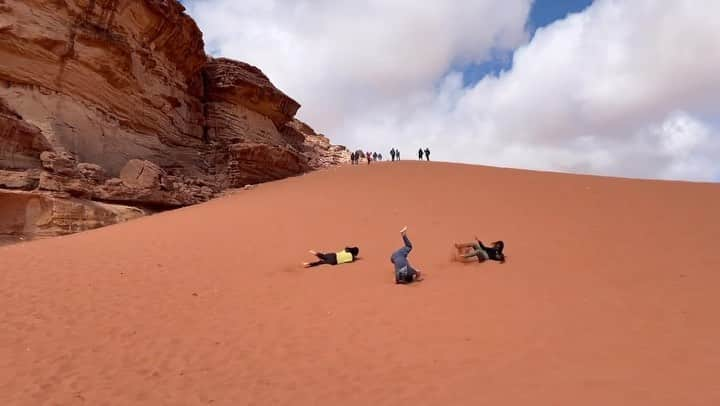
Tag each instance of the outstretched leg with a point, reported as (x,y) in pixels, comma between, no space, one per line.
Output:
(478,252)
(404,251)
(466,252)
(322,259)
(464,248)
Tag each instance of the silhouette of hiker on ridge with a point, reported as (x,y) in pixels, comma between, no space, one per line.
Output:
(427,153)
(420,154)
(392,154)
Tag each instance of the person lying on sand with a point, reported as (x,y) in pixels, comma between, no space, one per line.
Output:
(404,273)
(483,253)
(349,254)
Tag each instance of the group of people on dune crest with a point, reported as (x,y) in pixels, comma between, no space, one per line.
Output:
(358,155)
(404,272)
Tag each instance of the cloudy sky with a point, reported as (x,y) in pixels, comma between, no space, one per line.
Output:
(612,87)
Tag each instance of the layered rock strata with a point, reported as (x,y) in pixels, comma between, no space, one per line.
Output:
(110,109)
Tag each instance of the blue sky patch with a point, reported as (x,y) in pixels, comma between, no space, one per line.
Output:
(543,13)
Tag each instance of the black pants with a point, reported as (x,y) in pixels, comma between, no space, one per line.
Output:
(330,259)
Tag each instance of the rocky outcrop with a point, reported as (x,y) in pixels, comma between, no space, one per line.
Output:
(238,83)
(315,147)
(35,214)
(106,102)
(244,112)
(249,163)
(20,142)
(21,180)
(141,183)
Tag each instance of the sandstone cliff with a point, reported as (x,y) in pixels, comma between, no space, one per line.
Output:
(110,109)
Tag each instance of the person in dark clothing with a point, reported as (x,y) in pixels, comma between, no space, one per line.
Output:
(483,253)
(404,273)
(380,157)
(352,158)
(349,254)
(427,153)
(374,156)
(392,154)
(397,154)
(420,154)
(368,156)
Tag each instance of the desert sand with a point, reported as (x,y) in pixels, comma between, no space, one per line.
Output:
(610,296)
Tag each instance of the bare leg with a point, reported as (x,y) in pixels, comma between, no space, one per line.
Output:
(408,245)
(463,249)
(321,259)
(462,257)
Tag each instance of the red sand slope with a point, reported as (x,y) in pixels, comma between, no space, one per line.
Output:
(611,296)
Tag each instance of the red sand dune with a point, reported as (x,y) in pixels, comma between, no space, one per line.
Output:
(610,296)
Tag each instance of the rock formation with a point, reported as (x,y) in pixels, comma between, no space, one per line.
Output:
(110,109)
(315,147)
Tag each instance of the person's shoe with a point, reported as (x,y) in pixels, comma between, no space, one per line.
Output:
(404,230)
(306,265)
(313,252)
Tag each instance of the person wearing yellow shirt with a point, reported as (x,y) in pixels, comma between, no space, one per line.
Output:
(349,254)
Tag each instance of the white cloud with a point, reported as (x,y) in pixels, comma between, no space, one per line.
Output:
(625,88)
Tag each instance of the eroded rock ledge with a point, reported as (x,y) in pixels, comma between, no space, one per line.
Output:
(110,109)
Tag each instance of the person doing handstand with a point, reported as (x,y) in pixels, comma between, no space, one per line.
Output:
(404,273)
